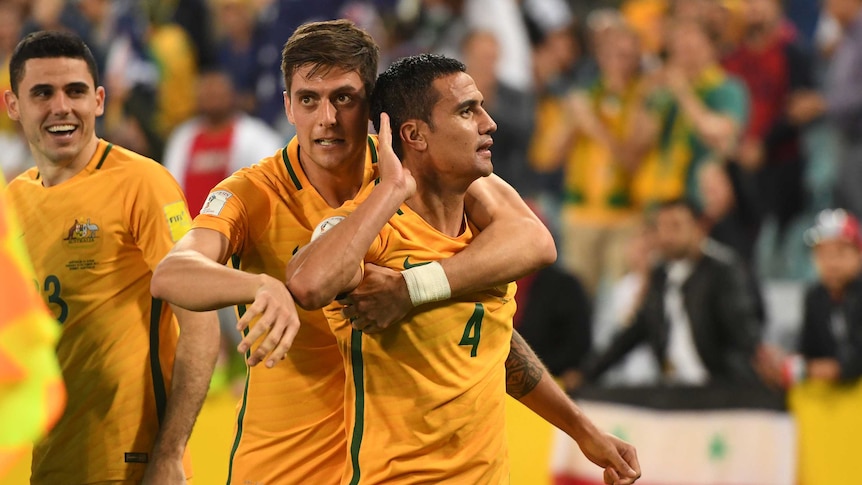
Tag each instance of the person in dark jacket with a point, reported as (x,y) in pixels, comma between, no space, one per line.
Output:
(697,313)
(831,338)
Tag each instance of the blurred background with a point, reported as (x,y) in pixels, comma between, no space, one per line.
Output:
(749,111)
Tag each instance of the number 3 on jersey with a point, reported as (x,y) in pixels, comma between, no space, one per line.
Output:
(473,330)
(52,286)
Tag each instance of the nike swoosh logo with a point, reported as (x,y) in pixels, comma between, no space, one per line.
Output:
(408,264)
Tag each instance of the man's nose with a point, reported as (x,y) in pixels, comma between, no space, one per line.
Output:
(328,113)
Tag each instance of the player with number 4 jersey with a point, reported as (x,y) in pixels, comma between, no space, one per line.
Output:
(425,401)
(432,392)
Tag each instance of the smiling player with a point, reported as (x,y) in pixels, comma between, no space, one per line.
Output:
(97,219)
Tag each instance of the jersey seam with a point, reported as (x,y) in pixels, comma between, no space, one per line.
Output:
(159,389)
(359,402)
(235,261)
(286,159)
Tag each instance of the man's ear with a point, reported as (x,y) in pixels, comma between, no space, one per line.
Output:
(11,105)
(288,107)
(412,135)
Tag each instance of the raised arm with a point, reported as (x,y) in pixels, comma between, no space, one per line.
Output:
(193,276)
(528,381)
(719,130)
(513,242)
(331,263)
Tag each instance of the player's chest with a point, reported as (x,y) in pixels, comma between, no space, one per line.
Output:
(288,229)
(74,234)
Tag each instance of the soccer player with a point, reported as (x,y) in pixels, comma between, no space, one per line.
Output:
(97,219)
(290,420)
(426,400)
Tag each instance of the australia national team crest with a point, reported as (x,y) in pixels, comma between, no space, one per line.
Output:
(82,233)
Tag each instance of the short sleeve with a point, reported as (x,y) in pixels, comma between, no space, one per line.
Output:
(233,207)
(159,216)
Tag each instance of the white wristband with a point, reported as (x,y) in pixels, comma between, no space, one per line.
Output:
(427,283)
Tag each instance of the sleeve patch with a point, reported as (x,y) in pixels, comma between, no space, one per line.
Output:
(215,202)
(326,225)
(178,219)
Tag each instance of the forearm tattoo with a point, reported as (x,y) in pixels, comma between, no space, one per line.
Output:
(523,368)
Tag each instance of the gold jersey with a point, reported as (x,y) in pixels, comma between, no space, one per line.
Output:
(425,400)
(95,240)
(290,420)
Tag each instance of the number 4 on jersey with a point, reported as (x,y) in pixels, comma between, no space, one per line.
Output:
(473,330)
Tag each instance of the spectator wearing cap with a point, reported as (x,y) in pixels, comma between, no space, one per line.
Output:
(830,344)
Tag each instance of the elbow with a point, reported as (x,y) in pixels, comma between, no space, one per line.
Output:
(307,294)
(159,284)
(544,248)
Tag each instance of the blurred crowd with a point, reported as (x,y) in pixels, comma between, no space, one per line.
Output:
(645,131)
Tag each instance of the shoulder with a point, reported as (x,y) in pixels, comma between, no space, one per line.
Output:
(118,158)
(262,179)
(718,254)
(729,89)
(816,291)
(132,173)
(23,180)
(256,131)
(185,129)
(248,122)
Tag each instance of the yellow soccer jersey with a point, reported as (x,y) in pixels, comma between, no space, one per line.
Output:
(425,400)
(94,241)
(290,421)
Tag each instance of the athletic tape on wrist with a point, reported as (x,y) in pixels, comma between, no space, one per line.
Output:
(427,283)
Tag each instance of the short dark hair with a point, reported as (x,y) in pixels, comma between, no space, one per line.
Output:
(46,45)
(405,91)
(686,203)
(334,43)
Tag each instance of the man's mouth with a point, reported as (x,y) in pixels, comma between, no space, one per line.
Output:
(328,142)
(62,130)
(485,148)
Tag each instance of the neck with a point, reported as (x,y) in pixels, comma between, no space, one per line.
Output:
(218,123)
(337,185)
(440,205)
(836,293)
(56,172)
